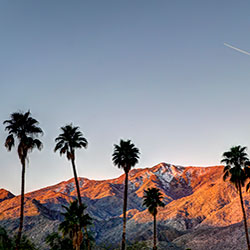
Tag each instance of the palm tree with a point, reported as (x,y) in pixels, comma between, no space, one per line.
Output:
(23,128)
(152,200)
(125,156)
(67,142)
(70,139)
(74,221)
(237,170)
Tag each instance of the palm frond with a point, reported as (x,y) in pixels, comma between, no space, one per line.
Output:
(70,155)
(226,175)
(64,149)
(248,185)
(70,139)
(9,142)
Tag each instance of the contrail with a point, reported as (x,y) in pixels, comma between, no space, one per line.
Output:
(240,50)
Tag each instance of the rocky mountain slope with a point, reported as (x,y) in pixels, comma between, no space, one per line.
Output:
(201,212)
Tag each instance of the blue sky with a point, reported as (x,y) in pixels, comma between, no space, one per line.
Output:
(155,72)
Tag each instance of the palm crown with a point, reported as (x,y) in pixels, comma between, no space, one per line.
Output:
(69,140)
(237,166)
(74,217)
(74,221)
(152,200)
(24,128)
(125,155)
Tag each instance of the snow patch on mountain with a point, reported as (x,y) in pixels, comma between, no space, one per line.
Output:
(70,187)
(82,182)
(188,176)
(167,172)
(135,183)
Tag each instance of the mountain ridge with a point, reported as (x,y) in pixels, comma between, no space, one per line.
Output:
(196,198)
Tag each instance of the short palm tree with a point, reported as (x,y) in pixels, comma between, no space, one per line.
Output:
(74,220)
(152,200)
(67,142)
(23,128)
(125,156)
(237,169)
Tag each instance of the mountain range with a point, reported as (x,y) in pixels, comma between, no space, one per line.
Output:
(202,211)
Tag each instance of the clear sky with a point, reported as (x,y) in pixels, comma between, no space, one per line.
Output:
(155,72)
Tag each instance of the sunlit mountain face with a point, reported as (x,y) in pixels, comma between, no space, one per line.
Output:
(202,211)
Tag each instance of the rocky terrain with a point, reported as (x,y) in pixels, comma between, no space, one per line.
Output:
(201,212)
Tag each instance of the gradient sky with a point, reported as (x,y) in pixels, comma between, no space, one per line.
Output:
(155,72)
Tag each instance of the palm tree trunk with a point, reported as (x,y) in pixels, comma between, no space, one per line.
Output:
(244,217)
(124,211)
(80,200)
(154,248)
(76,182)
(19,235)
(78,247)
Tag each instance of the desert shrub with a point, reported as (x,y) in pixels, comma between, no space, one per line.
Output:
(57,242)
(8,243)
(5,241)
(138,245)
(26,244)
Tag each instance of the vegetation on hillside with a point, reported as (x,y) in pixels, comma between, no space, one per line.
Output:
(8,243)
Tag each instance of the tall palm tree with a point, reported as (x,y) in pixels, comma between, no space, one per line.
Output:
(23,128)
(67,142)
(125,156)
(237,169)
(152,200)
(74,221)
